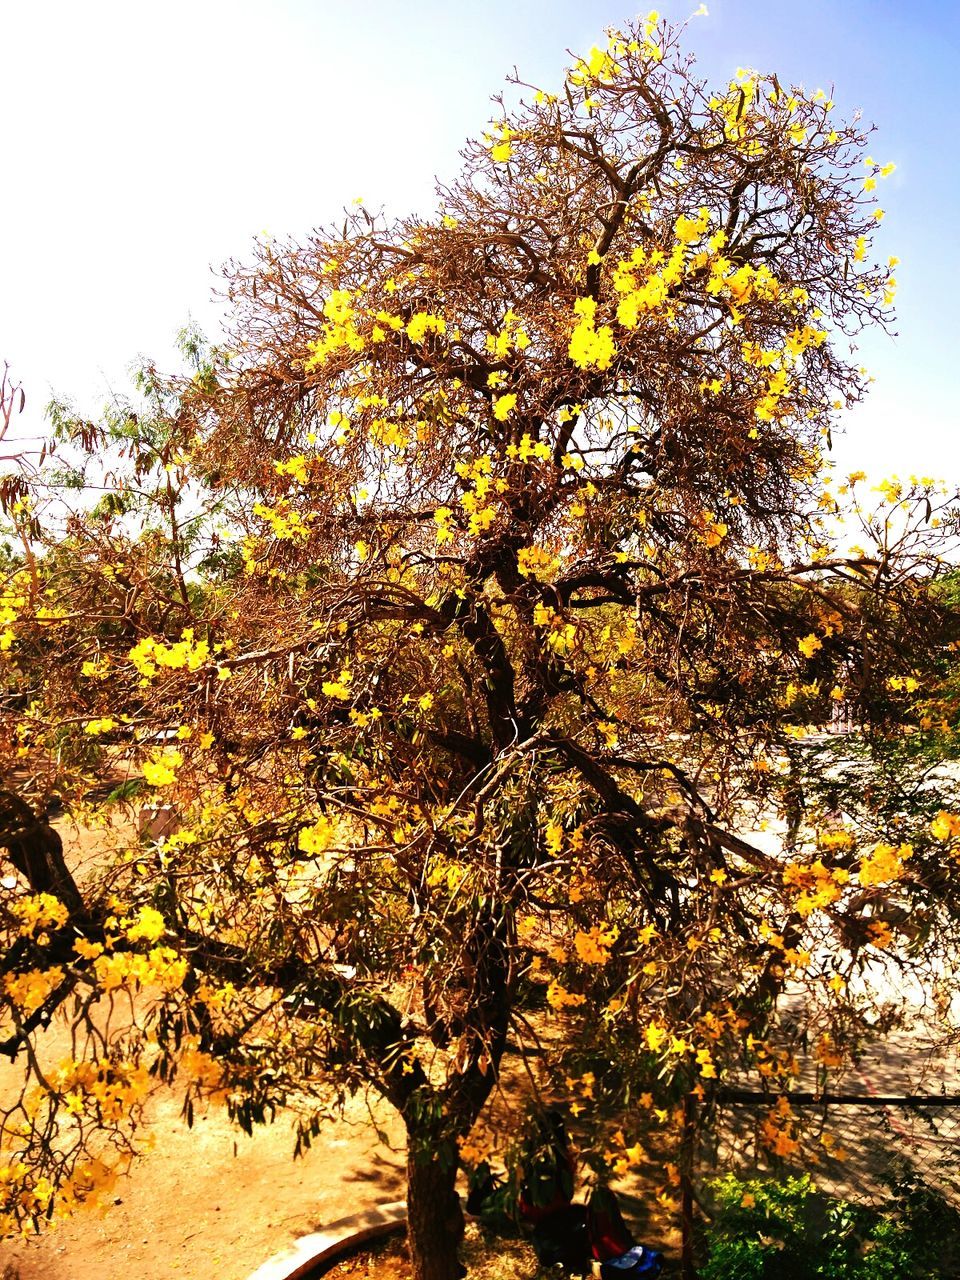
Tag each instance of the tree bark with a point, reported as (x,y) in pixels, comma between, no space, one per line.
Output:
(36,851)
(434,1216)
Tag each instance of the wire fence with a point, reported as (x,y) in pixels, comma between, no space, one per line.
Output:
(856,1146)
(856,1143)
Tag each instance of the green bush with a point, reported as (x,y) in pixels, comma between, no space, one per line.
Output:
(786,1229)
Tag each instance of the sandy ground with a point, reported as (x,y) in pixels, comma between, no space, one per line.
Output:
(207,1201)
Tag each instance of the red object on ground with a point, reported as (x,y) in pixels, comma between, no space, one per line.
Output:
(610,1237)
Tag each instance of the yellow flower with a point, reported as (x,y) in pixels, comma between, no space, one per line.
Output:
(884,865)
(536,562)
(317,838)
(809,645)
(423,323)
(689,229)
(39,911)
(161,770)
(339,688)
(880,934)
(29,990)
(88,950)
(503,406)
(103,725)
(594,947)
(559,998)
(149,926)
(945,826)
(655,1036)
(590,347)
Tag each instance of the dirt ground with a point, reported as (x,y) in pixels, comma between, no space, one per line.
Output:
(208,1201)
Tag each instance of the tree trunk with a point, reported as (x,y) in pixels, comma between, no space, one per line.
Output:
(434,1216)
(36,851)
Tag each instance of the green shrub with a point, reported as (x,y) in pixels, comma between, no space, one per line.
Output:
(787,1229)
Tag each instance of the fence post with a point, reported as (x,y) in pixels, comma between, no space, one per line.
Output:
(688,1270)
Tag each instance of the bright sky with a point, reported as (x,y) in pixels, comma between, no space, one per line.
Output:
(146,143)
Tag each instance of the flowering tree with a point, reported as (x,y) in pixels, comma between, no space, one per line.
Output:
(451,620)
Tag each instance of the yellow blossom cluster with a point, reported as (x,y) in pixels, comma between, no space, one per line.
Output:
(809,645)
(644,284)
(159,967)
(147,926)
(945,826)
(818,885)
(448,872)
(318,837)
(512,337)
(13,598)
(778,1130)
(710,530)
(503,406)
(297,467)
(771,1062)
(285,523)
(561,635)
(39,911)
(539,563)
(476,500)
(389,434)
(340,330)
(838,840)
(827,1052)
(20,1191)
(108,1087)
(590,348)
(903,684)
(476,1146)
(201,1069)
(501,148)
(594,947)
(161,769)
(553,838)
(879,934)
(884,864)
(187,653)
(102,725)
(599,65)
(559,998)
(339,688)
(29,990)
(423,323)
(622,1158)
(442,517)
(528,449)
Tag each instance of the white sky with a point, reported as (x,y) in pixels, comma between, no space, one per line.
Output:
(143,144)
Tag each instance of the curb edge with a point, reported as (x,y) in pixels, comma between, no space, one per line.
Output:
(338,1238)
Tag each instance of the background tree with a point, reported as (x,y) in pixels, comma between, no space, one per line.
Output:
(463,607)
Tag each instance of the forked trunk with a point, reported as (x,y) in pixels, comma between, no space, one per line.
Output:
(435,1219)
